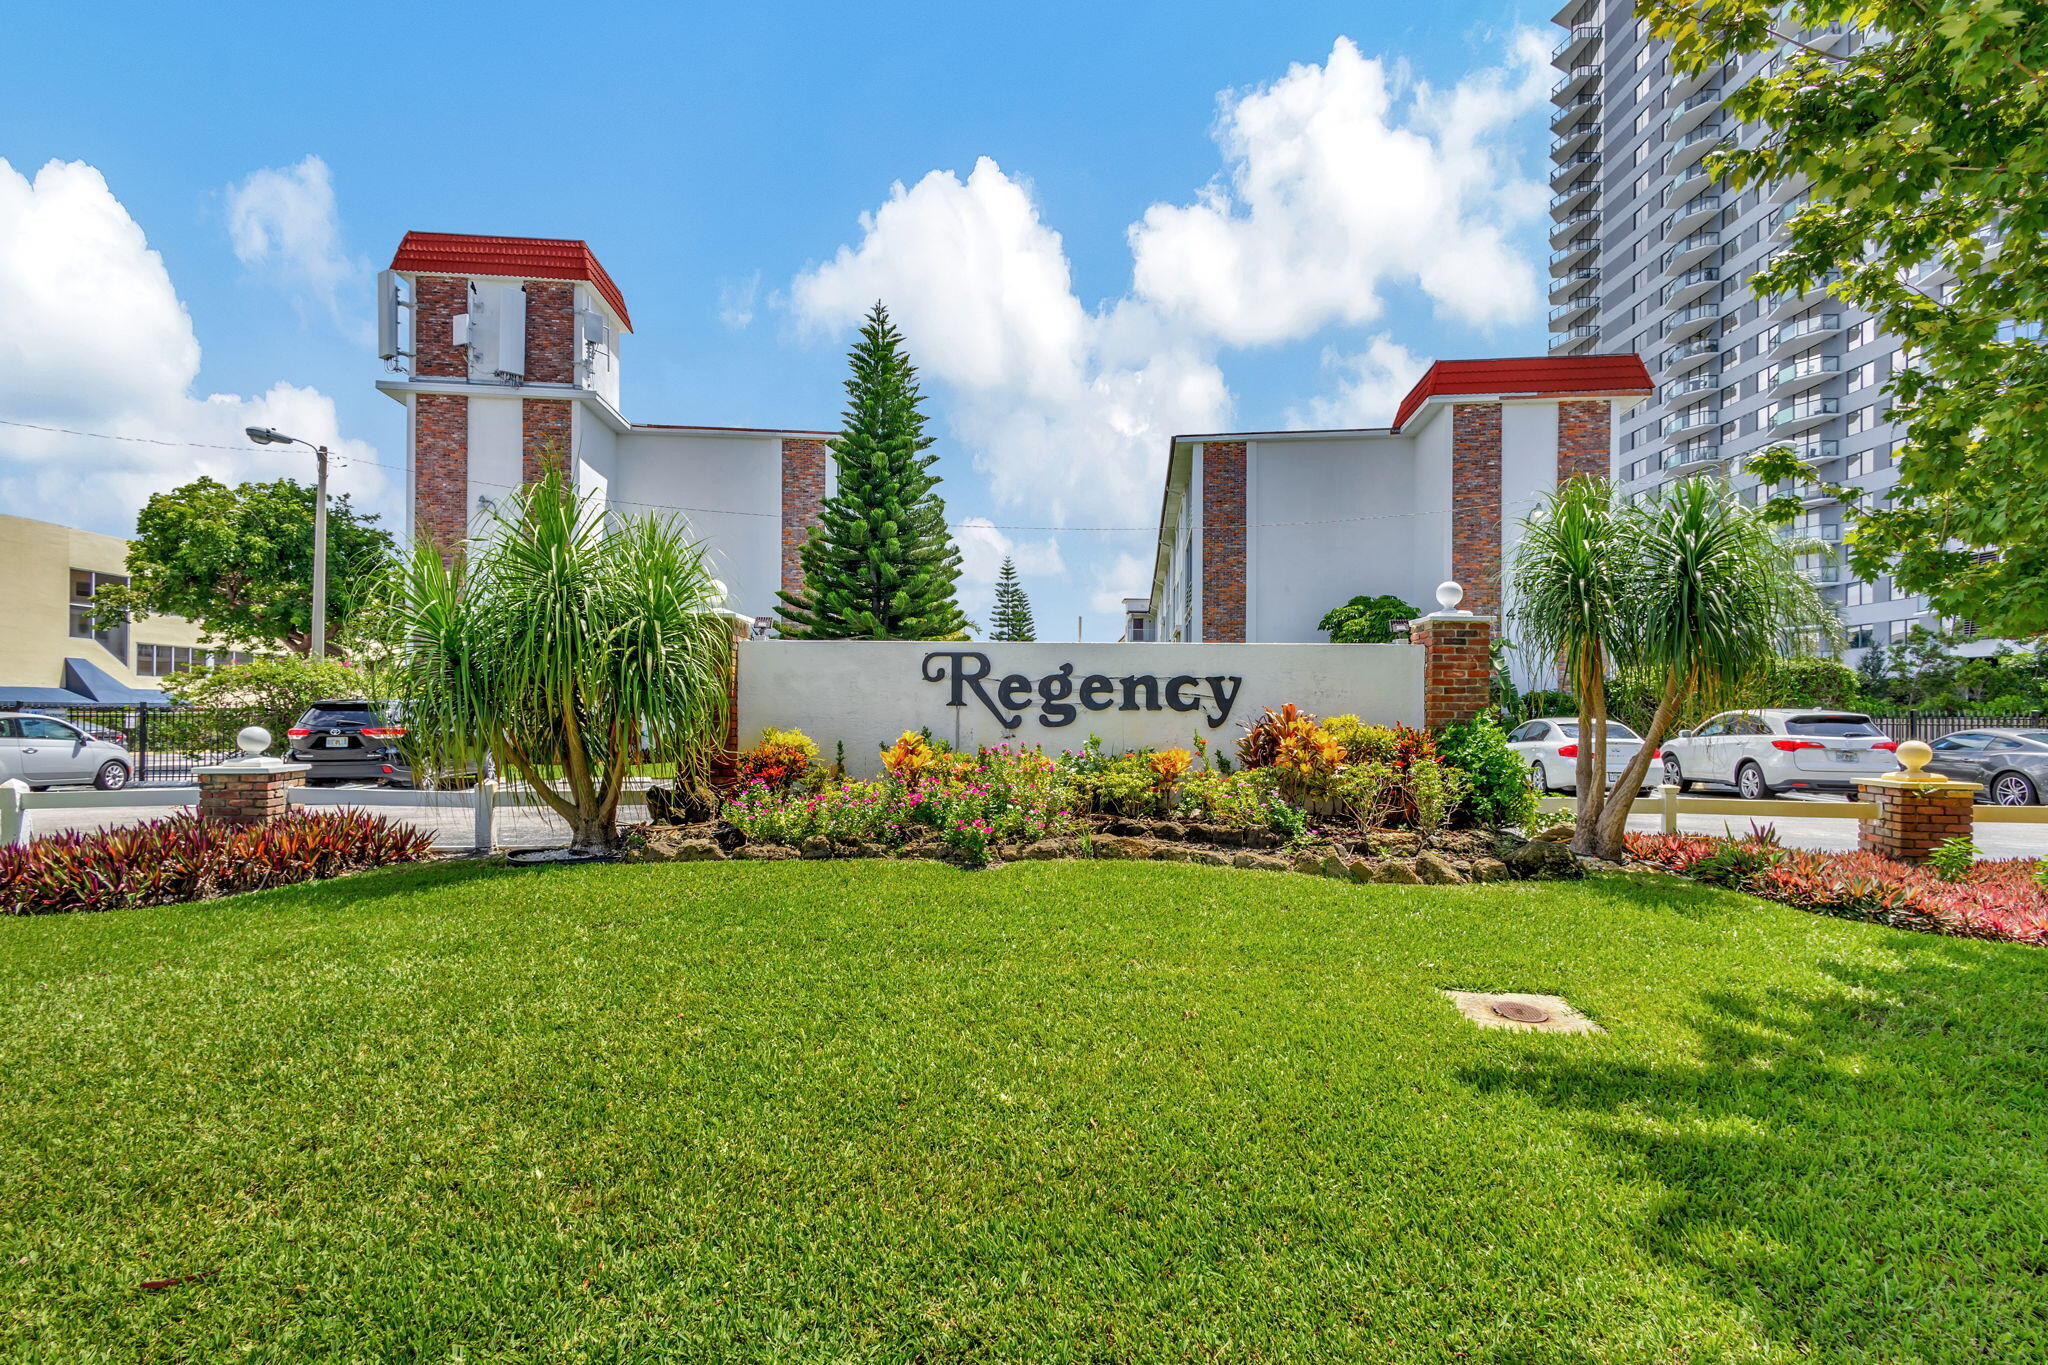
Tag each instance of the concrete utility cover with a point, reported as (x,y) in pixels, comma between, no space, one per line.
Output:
(1529,1013)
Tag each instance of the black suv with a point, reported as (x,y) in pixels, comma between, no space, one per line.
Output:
(349,740)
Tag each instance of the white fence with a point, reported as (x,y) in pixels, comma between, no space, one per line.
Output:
(474,811)
(1669,805)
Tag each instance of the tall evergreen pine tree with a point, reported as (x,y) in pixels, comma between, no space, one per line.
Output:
(879,565)
(1012,618)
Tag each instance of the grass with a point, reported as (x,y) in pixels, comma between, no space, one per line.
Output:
(893,1112)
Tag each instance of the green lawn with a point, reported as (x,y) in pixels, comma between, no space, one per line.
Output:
(1114,1112)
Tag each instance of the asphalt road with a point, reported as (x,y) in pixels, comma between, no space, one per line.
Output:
(450,821)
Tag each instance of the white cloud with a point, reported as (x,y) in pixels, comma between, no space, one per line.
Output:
(736,301)
(1127,575)
(1340,181)
(94,337)
(983,547)
(1370,384)
(285,225)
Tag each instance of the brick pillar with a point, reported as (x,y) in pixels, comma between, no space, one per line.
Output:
(1913,821)
(242,794)
(1223,476)
(543,436)
(803,494)
(1475,504)
(440,469)
(1583,439)
(436,299)
(1457,667)
(550,333)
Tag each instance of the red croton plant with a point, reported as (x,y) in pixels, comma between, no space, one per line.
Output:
(1993,899)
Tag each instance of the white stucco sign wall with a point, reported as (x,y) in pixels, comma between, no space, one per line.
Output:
(865,693)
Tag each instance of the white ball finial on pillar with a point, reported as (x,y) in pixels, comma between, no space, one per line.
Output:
(1448,595)
(252,741)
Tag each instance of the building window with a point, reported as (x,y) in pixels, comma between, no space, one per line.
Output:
(163,661)
(1862,637)
(85,584)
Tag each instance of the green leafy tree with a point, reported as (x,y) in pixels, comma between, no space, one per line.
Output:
(277,690)
(1012,619)
(1874,672)
(239,562)
(1925,148)
(1691,586)
(570,643)
(1366,620)
(880,564)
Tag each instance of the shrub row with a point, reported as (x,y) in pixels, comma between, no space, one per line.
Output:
(184,858)
(1998,900)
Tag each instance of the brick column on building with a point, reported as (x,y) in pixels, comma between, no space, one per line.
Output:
(550,333)
(436,299)
(1457,664)
(1583,439)
(1916,812)
(440,469)
(247,793)
(544,426)
(1223,541)
(1475,504)
(803,496)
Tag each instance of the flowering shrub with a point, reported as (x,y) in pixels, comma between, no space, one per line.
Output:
(781,759)
(1168,765)
(907,759)
(1500,793)
(2003,900)
(184,858)
(1238,799)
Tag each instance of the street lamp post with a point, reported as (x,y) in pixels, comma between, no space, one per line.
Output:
(264,436)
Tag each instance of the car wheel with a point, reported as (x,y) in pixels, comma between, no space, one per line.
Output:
(1539,779)
(1673,777)
(111,777)
(2014,789)
(1749,780)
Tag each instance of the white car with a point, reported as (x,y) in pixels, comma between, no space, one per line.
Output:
(1761,753)
(1550,746)
(43,751)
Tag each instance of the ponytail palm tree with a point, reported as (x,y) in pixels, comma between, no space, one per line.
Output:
(1691,585)
(567,643)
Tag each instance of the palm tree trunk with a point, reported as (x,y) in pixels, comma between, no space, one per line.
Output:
(1591,769)
(1609,842)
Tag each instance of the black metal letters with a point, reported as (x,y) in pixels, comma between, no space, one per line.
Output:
(968,670)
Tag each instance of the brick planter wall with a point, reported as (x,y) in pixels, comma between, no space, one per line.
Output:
(1475,504)
(1223,477)
(1457,667)
(246,796)
(803,494)
(1912,822)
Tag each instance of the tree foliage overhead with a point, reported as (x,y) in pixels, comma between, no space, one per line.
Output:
(1012,619)
(1366,620)
(239,562)
(880,564)
(1925,146)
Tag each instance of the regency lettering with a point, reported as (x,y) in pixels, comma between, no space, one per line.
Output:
(1060,696)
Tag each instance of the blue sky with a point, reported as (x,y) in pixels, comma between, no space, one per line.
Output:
(1099,224)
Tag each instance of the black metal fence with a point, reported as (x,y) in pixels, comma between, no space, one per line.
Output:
(166,742)
(1928,725)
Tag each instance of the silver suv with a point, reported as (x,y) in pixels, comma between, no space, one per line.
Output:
(1761,753)
(43,751)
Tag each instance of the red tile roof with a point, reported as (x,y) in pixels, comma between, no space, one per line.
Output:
(522,258)
(1559,374)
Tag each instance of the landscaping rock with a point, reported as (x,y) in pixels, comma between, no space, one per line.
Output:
(1335,865)
(1126,848)
(1436,871)
(866,850)
(1223,836)
(1128,829)
(1488,870)
(1048,850)
(1311,863)
(1397,870)
(1204,857)
(1261,862)
(817,846)
(1167,829)
(1360,869)
(664,846)
(1544,860)
(765,853)
(1172,853)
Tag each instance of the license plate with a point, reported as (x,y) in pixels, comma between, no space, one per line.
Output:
(1847,756)
(337,743)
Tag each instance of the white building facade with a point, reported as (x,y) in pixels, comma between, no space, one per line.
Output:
(1261,533)
(506,355)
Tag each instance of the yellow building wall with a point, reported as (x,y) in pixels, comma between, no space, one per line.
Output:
(36,561)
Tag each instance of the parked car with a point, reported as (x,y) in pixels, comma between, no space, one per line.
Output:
(1550,746)
(2011,765)
(350,739)
(1761,753)
(45,752)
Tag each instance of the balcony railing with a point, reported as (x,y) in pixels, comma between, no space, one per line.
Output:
(1691,319)
(1690,385)
(1575,336)
(1571,136)
(1693,419)
(1805,410)
(1571,195)
(1577,43)
(1706,240)
(1584,161)
(1571,308)
(1691,351)
(1690,215)
(1572,251)
(1574,80)
(1572,222)
(1571,280)
(1814,451)
(1692,452)
(1813,324)
(1691,282)
(1577,107)
(1811,367)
